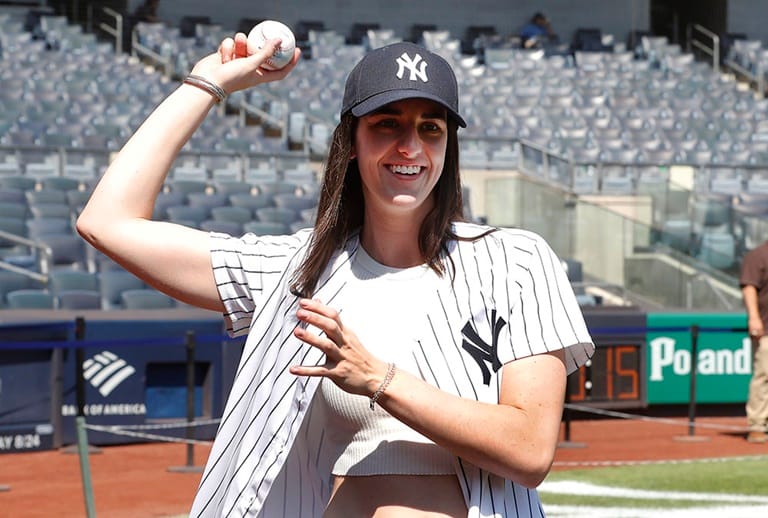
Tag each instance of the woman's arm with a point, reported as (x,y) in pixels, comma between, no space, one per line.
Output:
(515,439)
(117,218)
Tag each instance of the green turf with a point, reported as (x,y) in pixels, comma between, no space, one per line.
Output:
(747,476)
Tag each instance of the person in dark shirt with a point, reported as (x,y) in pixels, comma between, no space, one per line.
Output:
(537,31)
(754,287)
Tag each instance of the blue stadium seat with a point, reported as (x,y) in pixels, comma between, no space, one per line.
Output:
(147,298)
(78,299)
(112,283)
(266,228)
(30,298)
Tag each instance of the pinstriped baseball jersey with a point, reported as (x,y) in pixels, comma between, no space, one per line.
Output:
(505,297)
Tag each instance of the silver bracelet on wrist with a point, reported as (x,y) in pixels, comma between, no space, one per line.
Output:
(384,384)
(206,85)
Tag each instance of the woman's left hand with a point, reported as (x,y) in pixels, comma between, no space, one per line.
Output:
(347,363)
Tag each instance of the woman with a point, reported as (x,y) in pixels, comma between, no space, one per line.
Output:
(399,362)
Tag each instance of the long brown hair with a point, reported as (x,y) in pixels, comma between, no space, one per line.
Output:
(341,207)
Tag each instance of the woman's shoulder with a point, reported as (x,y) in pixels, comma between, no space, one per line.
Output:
(260,244)
(517,237)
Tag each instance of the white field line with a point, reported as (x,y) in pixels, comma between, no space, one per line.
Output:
(759,509)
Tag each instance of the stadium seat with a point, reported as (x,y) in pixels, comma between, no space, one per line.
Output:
(167,199)
(46,196)
(189,173)
(112,283)
(718,249)
(147,298)
(233,228)
(66,280)
(266,228)
(261,174)
(187,186)
(226,174)
(50,210)
(677,234)
(23,183)
(67,250)
(277,187)
(293,202)
(207,200)
(232,187)
(78,299)
(11,281)
(77,199)
(233,214)
(12,195)
(277,215)
(30,299)
(37,228)
(251,201)
(9,169)
(12,225)
(11,209)
(59,183)
(185,214)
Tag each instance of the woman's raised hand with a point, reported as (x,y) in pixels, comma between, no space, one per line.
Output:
(233,69)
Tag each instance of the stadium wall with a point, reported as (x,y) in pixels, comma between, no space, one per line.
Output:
(744,16)
(617,17)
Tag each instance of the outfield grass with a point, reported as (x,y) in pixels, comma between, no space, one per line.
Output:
(744,475)
(741,476)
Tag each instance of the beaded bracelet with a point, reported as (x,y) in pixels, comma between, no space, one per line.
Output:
(384,384)
(208,86)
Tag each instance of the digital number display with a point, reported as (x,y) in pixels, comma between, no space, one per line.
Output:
(613,377)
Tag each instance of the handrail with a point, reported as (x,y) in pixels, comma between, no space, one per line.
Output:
(714,51)
(251,109)
(758,76)
(143,50)
(718,293)
(45,262)
(116,31)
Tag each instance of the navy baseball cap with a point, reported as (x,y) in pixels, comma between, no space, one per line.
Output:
(400,71)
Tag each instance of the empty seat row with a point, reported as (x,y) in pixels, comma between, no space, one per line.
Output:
(34,298)
(73,289)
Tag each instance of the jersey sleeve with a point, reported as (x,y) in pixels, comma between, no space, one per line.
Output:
(544,313)
(249,268)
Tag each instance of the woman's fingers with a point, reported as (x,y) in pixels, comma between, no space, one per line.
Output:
(227,50)
(241,45)
(322,342)
(322,317)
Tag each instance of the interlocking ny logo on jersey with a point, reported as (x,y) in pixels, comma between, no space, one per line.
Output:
(106,371)
(480,350)
(416,66)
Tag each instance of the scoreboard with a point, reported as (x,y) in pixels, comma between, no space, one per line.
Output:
(615,377)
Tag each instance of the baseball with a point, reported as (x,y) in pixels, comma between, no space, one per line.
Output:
(268,30)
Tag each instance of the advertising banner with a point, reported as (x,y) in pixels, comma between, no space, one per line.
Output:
(723,359)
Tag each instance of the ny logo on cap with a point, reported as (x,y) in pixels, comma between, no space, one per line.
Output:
(416,66)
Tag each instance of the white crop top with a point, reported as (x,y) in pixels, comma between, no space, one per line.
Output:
(373,442)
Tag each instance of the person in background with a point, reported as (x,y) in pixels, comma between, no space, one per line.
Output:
(147,12)
(394,352)
(537,32)
(754,288)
